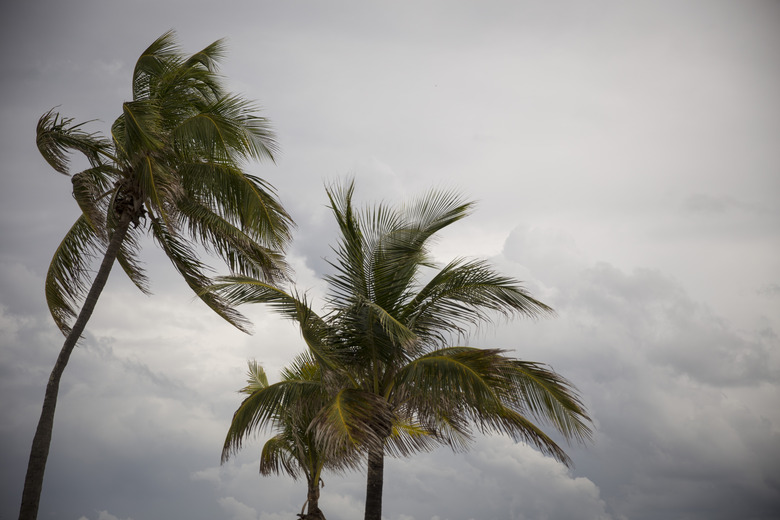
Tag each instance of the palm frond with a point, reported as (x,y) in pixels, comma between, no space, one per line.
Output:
(56,136)
(303,367)
(118,140)
(209,57)
(468,293)
(449,427)
(130,263)
(419,222)
(520,429)
(265,407)
(316,332)
(153,63)
(142,125)
(407,437)
(242,254)
(278,456)
(157,187)
(450,377)
(186,262)
(495,392)
(354,419)
(257,379)
(244,200)
(391,262)
(436,210)
(227,128)
(67,279)
(551,398)
(351,277)
(90,191)
(239,290)
(396,331)
(402,242)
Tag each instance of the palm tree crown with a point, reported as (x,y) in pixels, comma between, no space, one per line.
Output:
(175,158)
(288,407)
(397,381)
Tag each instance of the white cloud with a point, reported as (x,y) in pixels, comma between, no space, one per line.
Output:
(236,510)
(104,515)
(211,475)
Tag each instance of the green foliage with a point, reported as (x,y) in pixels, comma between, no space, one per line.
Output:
(175,161)
(390,377)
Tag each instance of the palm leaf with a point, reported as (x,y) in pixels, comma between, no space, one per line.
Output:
(354,419)
(67,279)
(279,456)
(130,263)
(244,200)
(239,290)
(408,437)
(351,277)
(467,293)
(227,128)
(242,254)
(152,63)
(142,125)
(518,427)
(209,57)
(494,392)
(192,270)
(90,193)
(257,379)
(450,377)
(263,408)
(397,332)
(551,398)
(56,136)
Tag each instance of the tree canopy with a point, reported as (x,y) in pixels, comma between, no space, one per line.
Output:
(387,345)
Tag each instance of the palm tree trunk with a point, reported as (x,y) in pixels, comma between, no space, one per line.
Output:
(313,498)
(374,482)
(39,453)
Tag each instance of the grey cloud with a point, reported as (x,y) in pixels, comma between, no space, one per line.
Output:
(643,135)
(709,204)
(680,396)
(770,290)
(660,319)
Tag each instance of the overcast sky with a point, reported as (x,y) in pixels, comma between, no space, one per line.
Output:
(626,160)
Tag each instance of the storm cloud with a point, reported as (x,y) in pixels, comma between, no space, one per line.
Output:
(624,160)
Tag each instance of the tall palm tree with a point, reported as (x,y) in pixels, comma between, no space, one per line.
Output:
(397,381)
(288,407)
(174,167)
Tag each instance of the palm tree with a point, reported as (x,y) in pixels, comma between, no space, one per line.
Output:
(174,165)
(288,407)
(396,380)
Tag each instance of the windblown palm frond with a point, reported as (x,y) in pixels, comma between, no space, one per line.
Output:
(68,277)
(277,405)
(495,392)
(186,262)
(351,420)
(279,456)
(57,136)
